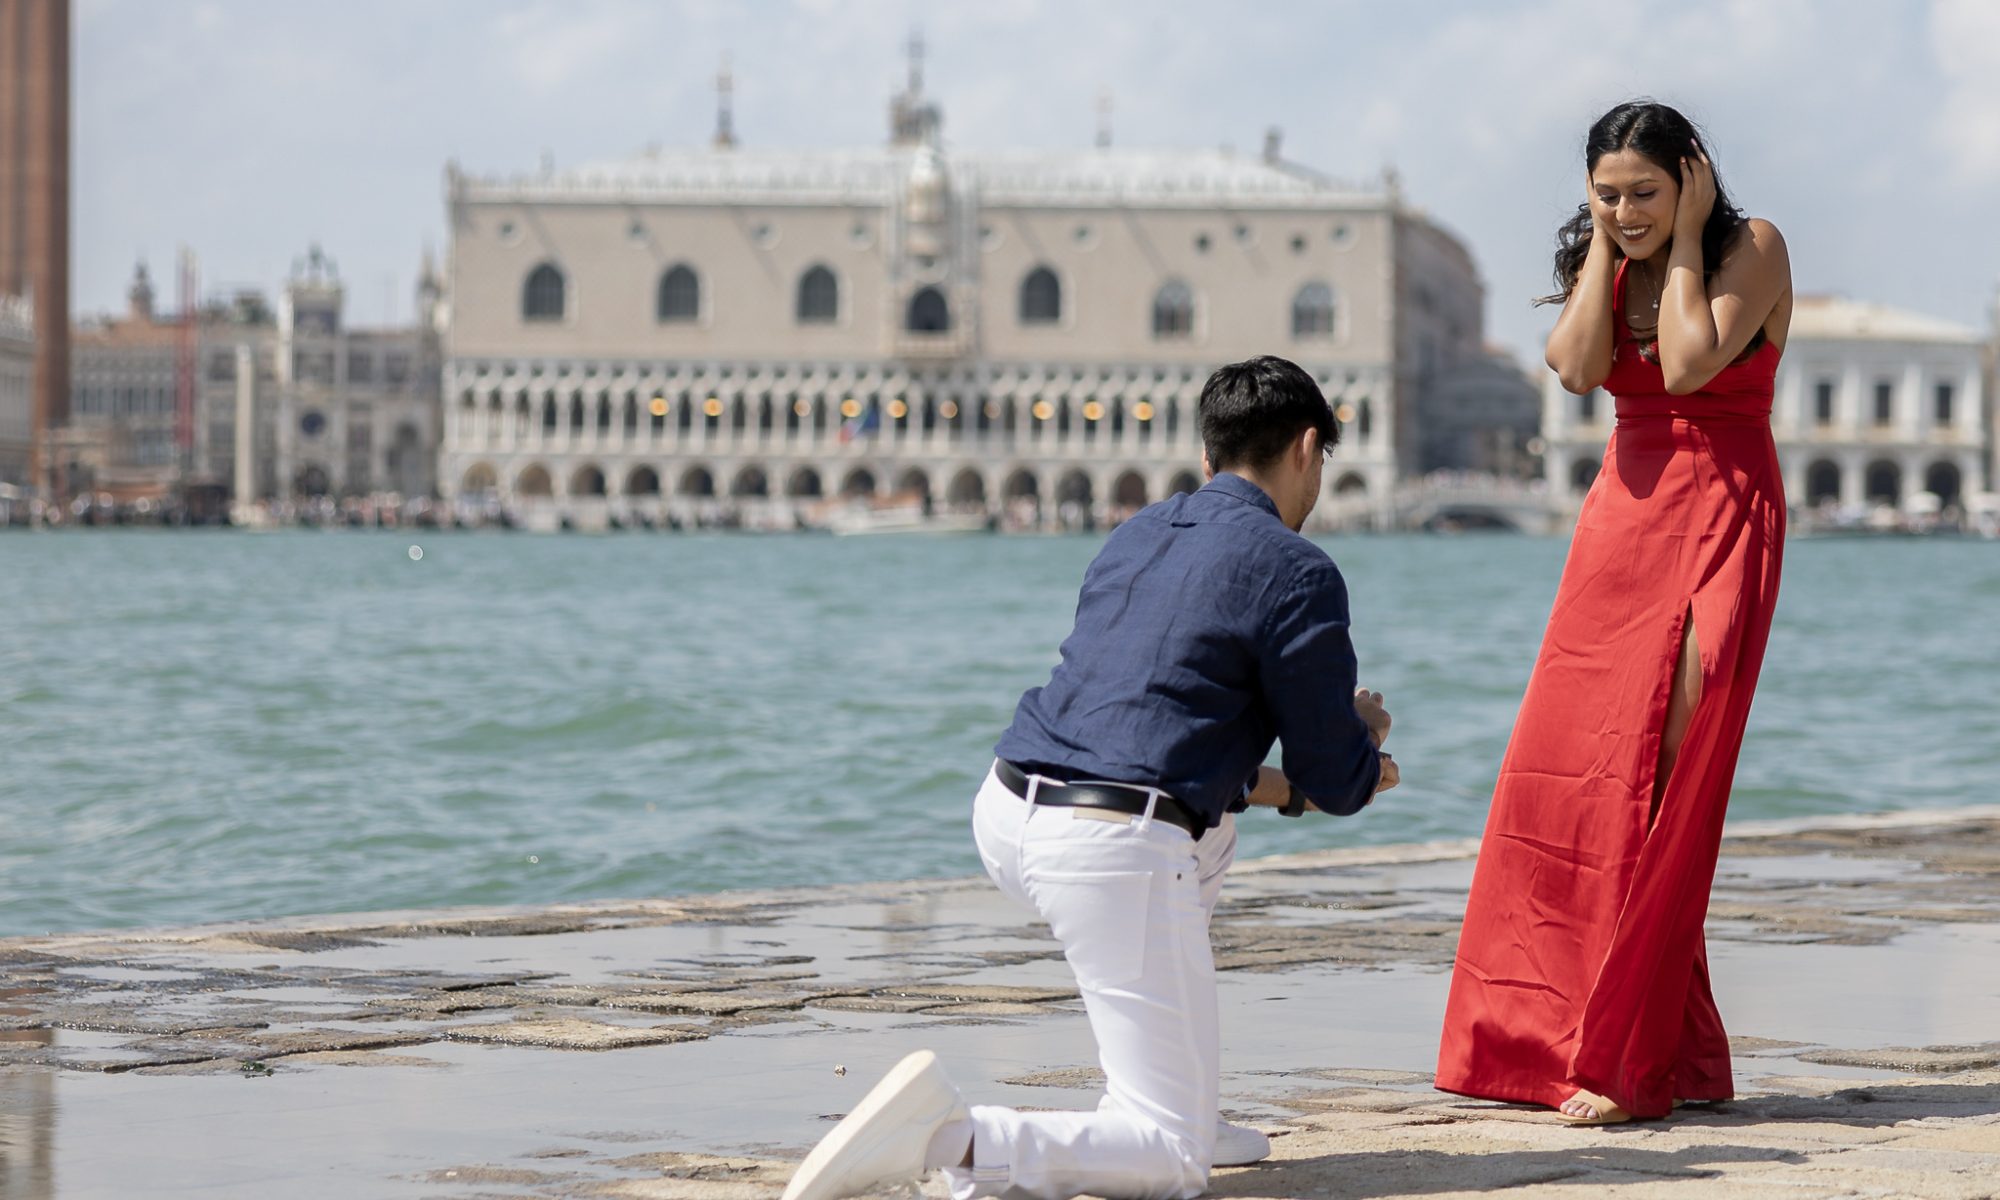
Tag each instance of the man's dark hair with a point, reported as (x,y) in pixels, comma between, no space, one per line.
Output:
(1252,409)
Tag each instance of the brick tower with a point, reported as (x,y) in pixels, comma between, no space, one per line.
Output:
(34,198)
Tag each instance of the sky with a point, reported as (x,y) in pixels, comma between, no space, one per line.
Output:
(1867,130)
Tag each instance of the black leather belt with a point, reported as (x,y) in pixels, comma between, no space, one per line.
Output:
(1117,797)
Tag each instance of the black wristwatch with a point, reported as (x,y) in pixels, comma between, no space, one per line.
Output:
(1296,806)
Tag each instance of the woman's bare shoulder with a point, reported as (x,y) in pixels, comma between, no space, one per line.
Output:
(1765,255)
(1761,238)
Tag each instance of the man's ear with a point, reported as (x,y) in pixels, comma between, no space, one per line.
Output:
(1207,472)
(1307,448)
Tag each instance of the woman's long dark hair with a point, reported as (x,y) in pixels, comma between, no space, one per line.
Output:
(1664,136)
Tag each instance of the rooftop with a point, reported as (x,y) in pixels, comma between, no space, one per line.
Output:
(1090,177)
(1836,317)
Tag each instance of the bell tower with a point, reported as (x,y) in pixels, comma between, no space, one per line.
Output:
(34,202)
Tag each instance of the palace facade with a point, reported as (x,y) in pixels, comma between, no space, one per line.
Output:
(724,332)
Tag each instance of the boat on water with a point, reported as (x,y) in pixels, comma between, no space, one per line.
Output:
(903,518)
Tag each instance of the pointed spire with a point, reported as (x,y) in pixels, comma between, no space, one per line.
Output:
(1104,120)
(140,294)
(914,121)
(725,108)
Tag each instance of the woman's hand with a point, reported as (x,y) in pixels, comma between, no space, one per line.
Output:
(1601,214)
(1697,198)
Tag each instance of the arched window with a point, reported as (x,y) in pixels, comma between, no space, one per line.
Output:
(542,295)
(804,482)
(1883,482)
(928,312)
(1041,298)
(680,294)
(967,490)
(819,297)
(1173,310)
(1943,481)
(697,481)
(1312,311)
(533,481)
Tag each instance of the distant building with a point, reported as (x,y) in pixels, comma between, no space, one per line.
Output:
(1874,408)
(357,409)
(338,411)
(1481,414)
(123,400)
(1021,333)
(17,399)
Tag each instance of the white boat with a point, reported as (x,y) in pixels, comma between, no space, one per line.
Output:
(903,518)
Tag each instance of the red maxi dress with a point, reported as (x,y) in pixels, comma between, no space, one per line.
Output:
(1581,963)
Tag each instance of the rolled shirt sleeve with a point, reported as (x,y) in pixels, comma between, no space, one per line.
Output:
(1308,674)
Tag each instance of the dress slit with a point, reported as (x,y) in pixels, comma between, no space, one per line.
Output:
(1683,630)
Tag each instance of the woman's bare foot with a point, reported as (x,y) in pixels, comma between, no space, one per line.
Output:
(1589,1108)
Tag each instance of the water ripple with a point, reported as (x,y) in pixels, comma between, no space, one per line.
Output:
(200,726)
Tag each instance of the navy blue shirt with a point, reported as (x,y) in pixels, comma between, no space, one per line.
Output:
(1206,630)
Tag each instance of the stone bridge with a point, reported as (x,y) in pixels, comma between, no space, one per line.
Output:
(1448,502)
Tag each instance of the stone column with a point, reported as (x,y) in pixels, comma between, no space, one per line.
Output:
(244,488)
(1913,418)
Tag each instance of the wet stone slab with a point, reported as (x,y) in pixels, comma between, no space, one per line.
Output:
(695,1047)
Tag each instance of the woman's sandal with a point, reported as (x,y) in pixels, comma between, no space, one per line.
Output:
(1604,1111)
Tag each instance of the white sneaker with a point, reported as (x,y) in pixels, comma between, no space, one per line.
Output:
(1239,1145)
(884,1139)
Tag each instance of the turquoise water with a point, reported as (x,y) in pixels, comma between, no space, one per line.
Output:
(208,725)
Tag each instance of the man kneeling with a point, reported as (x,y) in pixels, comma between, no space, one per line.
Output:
(1207,628)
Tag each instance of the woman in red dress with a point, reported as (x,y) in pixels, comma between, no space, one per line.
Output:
(1582,979)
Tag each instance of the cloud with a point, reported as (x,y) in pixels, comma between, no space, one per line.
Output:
(1965,36)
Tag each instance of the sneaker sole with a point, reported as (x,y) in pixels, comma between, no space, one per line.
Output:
(851,1126)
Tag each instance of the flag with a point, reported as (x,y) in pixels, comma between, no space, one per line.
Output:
(867,421)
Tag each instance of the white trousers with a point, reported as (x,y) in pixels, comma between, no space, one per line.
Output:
(1129,899)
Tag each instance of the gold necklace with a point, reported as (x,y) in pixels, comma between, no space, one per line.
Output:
(1658,289)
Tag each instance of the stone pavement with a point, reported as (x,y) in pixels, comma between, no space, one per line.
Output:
(695,1047)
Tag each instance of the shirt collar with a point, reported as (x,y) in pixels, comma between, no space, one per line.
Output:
(1239,488)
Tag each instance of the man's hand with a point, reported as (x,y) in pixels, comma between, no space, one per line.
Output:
(1368,705)
(1391,774)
